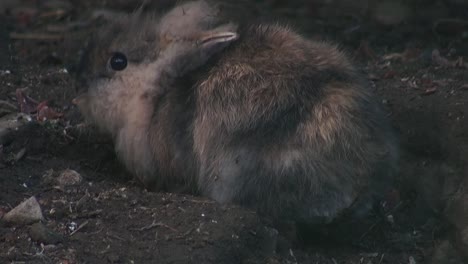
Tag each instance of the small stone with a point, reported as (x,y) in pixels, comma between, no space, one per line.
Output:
(40,233)
(20,154)
(72,226)
(25,213)
(69,178)
(112,258)
(390,219)
(9,123)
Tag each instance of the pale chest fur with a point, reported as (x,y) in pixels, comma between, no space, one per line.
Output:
(132,139)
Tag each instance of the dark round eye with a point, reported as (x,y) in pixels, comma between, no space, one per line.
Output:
(118,61)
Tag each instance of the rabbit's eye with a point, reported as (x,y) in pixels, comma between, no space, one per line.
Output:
(118,61)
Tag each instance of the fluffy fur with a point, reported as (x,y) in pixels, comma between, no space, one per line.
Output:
(273,121)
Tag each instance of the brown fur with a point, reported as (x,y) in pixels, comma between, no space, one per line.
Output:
(285,125)
(275,122)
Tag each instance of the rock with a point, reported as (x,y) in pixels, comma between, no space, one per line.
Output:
(9,124)
(27,212)
(40,233)
(113,258)
(62,179)
(68,178)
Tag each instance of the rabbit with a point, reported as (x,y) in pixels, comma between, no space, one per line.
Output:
(272,121)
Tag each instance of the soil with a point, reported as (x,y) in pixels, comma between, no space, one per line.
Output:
(109,218)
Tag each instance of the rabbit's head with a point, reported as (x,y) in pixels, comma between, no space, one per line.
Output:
(133,58)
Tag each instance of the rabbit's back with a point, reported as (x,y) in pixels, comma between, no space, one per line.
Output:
(287,126)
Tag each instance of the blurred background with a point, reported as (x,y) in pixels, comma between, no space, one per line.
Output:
(386,23)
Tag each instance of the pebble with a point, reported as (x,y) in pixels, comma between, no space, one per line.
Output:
(25,213)
(9,124)
(40,233)
(62,179)
(69,178)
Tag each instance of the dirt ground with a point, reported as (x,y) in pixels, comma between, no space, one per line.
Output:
(415,68)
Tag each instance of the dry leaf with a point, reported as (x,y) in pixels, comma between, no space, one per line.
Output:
(407,55)
(31,106)
(27,104)
(44,112)
(429,91)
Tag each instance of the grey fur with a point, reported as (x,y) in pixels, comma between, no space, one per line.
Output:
(271,120)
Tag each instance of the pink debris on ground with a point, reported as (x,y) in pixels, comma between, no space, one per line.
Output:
(30,106)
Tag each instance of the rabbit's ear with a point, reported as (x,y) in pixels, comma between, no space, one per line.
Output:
(214,41)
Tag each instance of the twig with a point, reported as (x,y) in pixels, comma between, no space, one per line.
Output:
(97,232)
(370,229)
(199,201)
(188,232)
(116,237)
(152,225)
(381,258)
(291,253)
(80,227)
(380,220)
(8,104)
